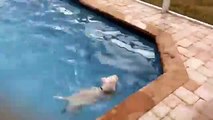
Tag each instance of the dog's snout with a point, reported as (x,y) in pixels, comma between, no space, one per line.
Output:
(115,77)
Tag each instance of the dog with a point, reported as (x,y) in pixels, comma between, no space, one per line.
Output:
(91,95)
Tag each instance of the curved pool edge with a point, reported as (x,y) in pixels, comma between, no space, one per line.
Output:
(174,74)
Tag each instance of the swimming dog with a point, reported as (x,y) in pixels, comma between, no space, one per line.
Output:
(92,95)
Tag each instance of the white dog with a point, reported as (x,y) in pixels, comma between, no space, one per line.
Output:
(92,95)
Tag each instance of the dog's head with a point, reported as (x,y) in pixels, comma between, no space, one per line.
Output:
(109,83)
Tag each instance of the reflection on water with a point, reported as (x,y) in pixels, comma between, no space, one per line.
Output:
(7,111)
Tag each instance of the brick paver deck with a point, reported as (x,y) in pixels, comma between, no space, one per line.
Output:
(192,101)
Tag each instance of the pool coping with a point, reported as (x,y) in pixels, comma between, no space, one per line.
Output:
(173,77)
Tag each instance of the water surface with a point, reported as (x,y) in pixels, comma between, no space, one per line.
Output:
(53,47)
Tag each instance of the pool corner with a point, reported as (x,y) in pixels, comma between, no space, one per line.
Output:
(174,75)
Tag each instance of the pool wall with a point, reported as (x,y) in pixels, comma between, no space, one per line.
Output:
(174,73)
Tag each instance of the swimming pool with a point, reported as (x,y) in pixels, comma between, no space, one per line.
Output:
(52,47)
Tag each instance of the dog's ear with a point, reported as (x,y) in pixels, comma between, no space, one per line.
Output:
(104,79)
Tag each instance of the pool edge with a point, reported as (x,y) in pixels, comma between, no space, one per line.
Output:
(174,75)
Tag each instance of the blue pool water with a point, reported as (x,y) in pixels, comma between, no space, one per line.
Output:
(53,47)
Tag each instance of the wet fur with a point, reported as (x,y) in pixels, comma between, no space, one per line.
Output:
(89,96)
